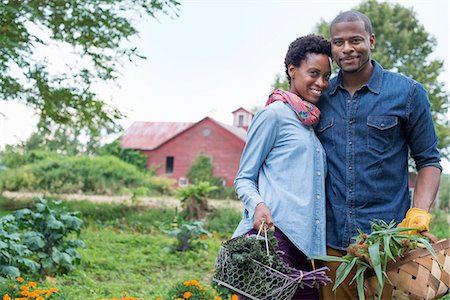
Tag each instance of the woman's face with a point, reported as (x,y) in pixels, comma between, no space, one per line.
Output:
(310,79)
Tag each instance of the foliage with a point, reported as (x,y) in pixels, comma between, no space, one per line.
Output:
(72,174)
(403,45)
(37,241)
(223,221)
(46,234)
(194,201)
(444,192)
(372,252)
(162,185)
(130,156)
(280,83)
(16,156)
(19,289)
(186,232)
(94,32)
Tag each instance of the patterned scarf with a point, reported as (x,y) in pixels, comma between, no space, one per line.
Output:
(307,112)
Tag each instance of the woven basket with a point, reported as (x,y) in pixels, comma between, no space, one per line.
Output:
(416,275)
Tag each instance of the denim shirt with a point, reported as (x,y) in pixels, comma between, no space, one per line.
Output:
(367,138)
(283,165)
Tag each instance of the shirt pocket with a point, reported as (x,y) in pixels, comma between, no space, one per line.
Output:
(381,132)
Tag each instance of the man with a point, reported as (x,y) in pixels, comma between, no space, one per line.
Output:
(371,118)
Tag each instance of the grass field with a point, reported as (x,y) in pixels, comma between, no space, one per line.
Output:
(127,252)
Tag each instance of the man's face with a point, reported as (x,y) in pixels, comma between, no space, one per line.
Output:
(351,45)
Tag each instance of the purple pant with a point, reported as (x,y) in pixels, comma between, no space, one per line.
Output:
(294,258)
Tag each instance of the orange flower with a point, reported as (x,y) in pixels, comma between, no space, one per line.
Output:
(159,298)
(40,298)
(234,297)
(186,283)
(195,282)
(217,298)
(32,284)
(6,297)
(187,295)
(19,279)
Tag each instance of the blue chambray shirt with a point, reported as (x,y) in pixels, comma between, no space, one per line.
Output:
(283,165)
(367,138)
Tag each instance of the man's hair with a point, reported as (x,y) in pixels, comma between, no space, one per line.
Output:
(302,46)
(352,16)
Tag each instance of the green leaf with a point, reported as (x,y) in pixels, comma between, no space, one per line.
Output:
(343,271)
(360,282)
(9,271)
(331,258)
(374,254)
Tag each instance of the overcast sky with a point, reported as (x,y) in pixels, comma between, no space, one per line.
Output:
(218,56)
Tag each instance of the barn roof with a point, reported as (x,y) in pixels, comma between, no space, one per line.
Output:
(150,135)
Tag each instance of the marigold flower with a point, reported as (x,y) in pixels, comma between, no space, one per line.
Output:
(187,283)
(187,295)
(234,297)
(24,288)
(32,284)
(40,298)
(159,298)
(19,279)
(195,282)
(6,297)
(217,298)
(179,299)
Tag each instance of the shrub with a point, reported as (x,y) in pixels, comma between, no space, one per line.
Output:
(99,175)
(37,241)
(186,232)
(162,185)
(194,201)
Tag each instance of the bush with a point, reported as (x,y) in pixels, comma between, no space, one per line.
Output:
(194,201)
(37,241)
(99,175)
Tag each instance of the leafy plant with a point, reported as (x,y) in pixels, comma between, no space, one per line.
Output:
(45,232)
(373,251)
(194,201)
(186,232)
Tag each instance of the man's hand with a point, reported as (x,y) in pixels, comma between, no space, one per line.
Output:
(418,218)
(262,213)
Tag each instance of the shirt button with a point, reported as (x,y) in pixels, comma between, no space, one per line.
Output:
(382,124)
(318,197)
(317,222)
(318,173)
(350,143)
(350,168)
(317,149)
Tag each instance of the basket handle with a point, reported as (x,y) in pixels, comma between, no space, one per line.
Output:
(264,225)
(429,235)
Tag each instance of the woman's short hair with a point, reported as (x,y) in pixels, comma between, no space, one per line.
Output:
(302,46)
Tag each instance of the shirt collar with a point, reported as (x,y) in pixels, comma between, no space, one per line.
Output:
(374,83)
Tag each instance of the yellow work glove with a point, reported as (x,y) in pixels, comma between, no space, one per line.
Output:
(418,218)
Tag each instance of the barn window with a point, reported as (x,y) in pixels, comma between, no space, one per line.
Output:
(169,164)
(183,181)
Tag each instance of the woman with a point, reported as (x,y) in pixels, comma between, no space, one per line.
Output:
(281,174)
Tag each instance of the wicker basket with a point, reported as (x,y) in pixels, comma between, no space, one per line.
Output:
(416,275)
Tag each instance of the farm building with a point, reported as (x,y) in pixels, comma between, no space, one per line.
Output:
(172,147)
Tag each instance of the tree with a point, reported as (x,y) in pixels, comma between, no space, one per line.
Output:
(94,31)
(403,45)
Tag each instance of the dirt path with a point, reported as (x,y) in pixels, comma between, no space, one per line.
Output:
(162,201)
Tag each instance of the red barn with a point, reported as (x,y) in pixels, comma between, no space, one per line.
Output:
(172,147)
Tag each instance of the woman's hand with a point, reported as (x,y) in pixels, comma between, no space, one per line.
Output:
(262,213)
